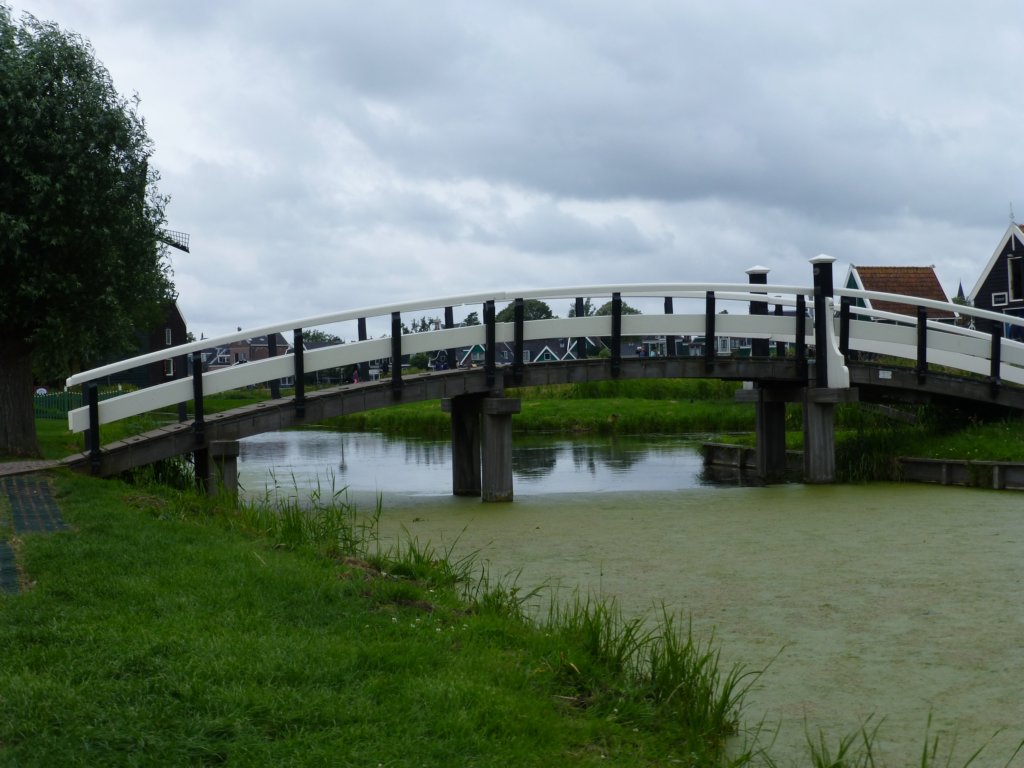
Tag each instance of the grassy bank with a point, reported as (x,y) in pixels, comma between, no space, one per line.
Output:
(164,630)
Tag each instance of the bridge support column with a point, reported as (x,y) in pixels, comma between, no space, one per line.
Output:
(819,432)
(223,474)
(481,445)
(497,447)
(465,413)
(770,437)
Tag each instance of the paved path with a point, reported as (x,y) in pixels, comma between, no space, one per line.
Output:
(29,508)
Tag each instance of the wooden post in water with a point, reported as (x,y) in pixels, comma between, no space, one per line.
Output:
(223,477)
(465,413)
(770,434)
(496,447)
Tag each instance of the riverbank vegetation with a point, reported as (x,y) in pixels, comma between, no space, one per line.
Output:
(168,628)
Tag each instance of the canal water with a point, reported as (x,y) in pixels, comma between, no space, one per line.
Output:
(880,603)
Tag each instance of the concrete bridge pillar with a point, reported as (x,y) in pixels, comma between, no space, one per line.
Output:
(497,447)
(770,433)
(465,413)
(482,445)
(223,471)
(819,432)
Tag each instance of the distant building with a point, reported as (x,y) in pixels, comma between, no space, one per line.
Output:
(1000,287)
(921,282)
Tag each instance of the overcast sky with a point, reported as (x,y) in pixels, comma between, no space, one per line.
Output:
(334,155)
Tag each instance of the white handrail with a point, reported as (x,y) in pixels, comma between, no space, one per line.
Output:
(894,335)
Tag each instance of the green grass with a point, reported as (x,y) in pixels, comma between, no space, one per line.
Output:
(164,630)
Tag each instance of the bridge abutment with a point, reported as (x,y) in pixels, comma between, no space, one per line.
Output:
(222,475)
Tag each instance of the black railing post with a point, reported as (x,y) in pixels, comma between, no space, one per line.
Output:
(396,353)
(581,342)
(758,276)
(670,341)
(822,290)
(616,334)
(92,438)
(364,367)
(709,328)
(449,322)
(820,339)
(801,334)
(298,352)
(844,325)
(275,384)
(180,364)
(922,344)
(780,346)
(490,367)
(200,452)
(995,370)
(518,344)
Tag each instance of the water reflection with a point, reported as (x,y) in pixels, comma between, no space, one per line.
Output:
(377,463)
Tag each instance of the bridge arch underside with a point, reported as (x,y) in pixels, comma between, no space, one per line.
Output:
(874,384)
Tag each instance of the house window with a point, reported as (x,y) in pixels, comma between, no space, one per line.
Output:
(1015,270)
(169,368)
(167,337)
(999,299)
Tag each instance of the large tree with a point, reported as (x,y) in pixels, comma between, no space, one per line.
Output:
(82,265)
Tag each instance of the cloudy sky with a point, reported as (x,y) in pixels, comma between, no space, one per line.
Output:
(334,155)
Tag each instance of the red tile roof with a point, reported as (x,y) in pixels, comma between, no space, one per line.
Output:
(909,281)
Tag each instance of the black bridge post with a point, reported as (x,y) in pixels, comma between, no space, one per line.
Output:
(363,367)
(92,437)
(449,322)
(995,373)
(780,346)
(518,344)
(822,290)
(670,341)
(709,330)
(801,335)
(844,325)
(922,344)
(200,452)
(275,384)
(396,354)
(180,364)
(616,364)
(298,352)
(581,342)
(758,276)
(490,365)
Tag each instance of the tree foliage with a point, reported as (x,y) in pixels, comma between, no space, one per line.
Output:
(533,309)
(82,267)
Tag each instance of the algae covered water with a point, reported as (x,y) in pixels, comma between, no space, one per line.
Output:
(876,603)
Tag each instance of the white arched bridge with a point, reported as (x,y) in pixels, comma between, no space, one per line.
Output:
(815,344)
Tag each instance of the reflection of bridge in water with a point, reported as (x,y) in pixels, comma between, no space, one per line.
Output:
(803,350)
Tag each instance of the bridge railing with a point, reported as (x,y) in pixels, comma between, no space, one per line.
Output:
(712,298)
(924,341)
(848,328)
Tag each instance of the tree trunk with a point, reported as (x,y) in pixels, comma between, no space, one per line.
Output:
(17,414)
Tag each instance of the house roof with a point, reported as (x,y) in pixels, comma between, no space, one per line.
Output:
(1013,230)
(921,282)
